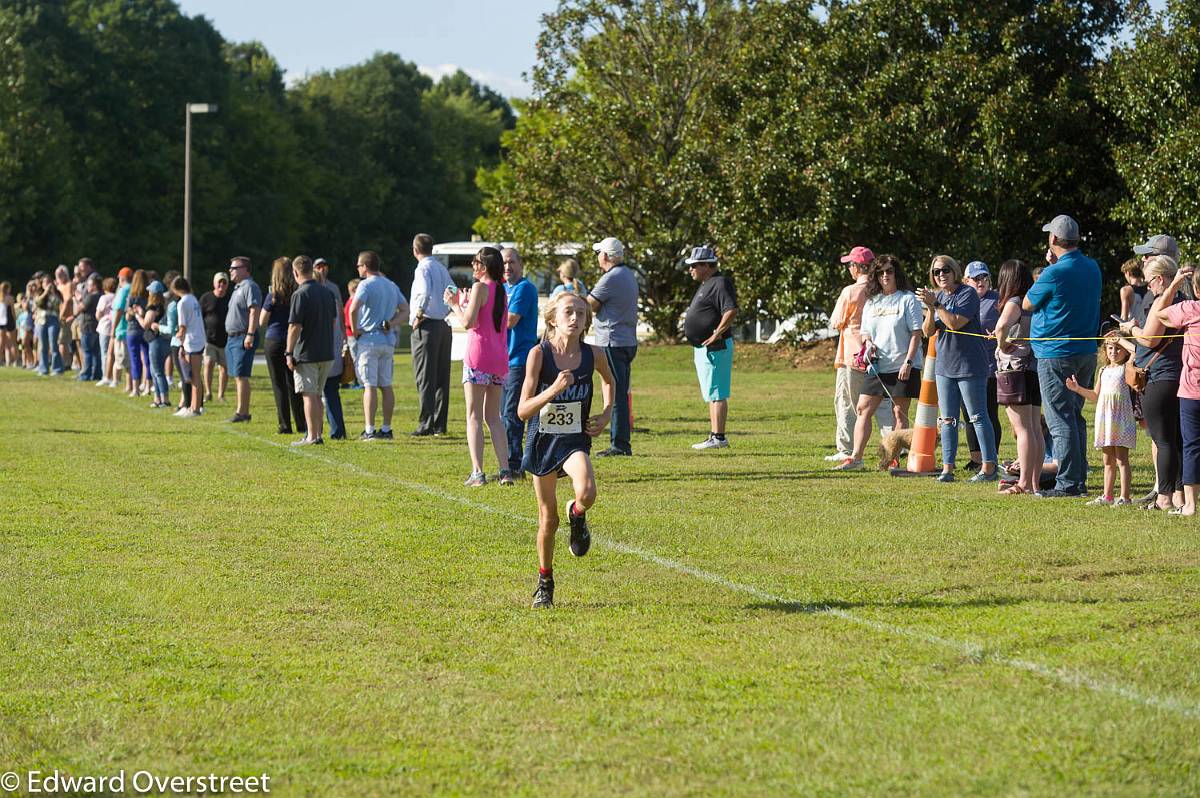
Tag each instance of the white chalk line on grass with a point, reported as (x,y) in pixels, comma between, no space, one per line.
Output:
(973,651)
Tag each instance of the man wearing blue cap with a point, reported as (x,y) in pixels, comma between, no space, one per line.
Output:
(706,325)
(1065,302)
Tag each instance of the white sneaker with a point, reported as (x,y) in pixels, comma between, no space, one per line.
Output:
(850,464)
(837,457)
(101,383)
(711,443)
(185,413)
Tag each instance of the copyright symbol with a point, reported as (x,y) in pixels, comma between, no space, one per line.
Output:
(10,782)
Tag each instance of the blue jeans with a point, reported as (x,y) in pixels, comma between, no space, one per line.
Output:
(90,344)
(49,358)
(514,427)
(971,393)
(1064,416)
(160,350)
(135,346)
(620,362)
(333,407)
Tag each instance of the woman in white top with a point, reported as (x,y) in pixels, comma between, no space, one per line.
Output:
(891,333)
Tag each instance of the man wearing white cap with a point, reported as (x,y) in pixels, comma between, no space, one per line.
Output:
(707,327)
(614,300)
(1065,302)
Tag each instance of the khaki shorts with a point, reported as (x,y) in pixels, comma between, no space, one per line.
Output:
(310,377)
(214,354)
(120,354)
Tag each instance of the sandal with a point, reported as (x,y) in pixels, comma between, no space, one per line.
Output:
(1013,490)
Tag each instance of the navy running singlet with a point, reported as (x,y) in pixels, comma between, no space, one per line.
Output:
(561,425)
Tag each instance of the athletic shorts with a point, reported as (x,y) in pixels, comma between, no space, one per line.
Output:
(121,353)
(883,384)
(714,370)
(310,377)
(476,377)
(214,354)
(240,360)
(373,364)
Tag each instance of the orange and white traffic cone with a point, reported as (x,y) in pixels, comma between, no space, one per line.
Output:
(925,423)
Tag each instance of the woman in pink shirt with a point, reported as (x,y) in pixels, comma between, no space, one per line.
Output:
(1185,317)
(483,311)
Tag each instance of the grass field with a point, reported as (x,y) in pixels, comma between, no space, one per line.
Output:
(189,597)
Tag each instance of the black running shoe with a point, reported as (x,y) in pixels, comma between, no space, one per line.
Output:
(384,435)
(544,595)
(367,436)
(581,536)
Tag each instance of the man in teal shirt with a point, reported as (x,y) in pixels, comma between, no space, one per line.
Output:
(1065,302)
(522,336)
(117,350)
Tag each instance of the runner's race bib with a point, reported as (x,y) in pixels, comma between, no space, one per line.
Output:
(561,418)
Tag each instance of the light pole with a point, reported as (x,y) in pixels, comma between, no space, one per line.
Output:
(189,109)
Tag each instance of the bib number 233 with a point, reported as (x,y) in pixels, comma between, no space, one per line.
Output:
(562,418)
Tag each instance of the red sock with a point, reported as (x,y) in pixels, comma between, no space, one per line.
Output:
(546,573)
(575,511)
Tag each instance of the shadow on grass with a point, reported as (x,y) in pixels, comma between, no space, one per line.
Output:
(724,476)
(818,607)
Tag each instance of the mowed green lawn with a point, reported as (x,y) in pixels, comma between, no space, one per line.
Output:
(192,597)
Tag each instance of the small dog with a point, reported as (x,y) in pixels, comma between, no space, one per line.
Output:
(895,443)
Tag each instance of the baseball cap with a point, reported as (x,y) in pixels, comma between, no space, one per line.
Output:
(125,272)
(610,246)
(977,268)
(860,255)
(1159,245)
(702,255)
(1063,227)
(156,287)
(320,262)
(220,277)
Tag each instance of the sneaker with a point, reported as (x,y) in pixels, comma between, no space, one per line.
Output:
(1102,501)
(186,413)
(505,477)
(971,465)
(836,457)
(421,433)
(307,441)
(984,477)
(367,436)
(945,476)
(1055,493)
(476,480)
(1122,503)
(238,418)
(849,464)
(383,435)
(102,383)
(711,443)
(581,536)
(544,595)
(613,451)
(1148,499)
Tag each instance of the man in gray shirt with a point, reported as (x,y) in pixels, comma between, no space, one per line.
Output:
(430,338)
(241,325)
(614,300)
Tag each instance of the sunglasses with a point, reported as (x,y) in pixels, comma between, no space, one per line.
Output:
(940,272)
(886,271)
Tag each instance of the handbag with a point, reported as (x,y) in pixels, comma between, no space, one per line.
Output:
(1011,387)
(1136,378)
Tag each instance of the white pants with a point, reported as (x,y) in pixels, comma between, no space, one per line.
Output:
(846,389)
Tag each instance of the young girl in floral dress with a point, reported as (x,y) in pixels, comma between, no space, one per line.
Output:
(1116,428)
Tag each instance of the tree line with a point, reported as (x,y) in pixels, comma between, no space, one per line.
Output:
(92,97)
(787,132)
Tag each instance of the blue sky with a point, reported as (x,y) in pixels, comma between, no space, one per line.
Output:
(493,42)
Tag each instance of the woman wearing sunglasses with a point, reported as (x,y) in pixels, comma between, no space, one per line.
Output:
(961,369)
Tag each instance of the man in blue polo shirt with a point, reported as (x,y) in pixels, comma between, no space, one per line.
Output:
(522,336)
(1065,302)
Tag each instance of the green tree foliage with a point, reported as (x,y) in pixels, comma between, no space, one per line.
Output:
(91,145)
(619,138)
(1152,86)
